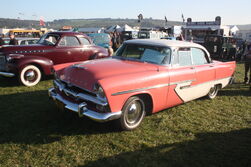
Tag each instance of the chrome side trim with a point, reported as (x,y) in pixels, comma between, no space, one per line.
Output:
(152,87)
(180,82)
(140,89)
(7,74)
(82,108)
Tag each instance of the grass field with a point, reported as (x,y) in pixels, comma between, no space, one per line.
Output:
(201,133)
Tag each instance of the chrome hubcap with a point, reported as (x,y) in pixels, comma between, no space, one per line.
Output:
(30,75)
(134,112)
(212,91)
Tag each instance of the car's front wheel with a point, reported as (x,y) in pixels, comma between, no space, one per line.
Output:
(133,113)
(30,75)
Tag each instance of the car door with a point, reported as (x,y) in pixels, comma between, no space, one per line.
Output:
(67,50)
(86,49)
(182,77)
(205,71)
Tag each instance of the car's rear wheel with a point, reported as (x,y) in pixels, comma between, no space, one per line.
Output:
(30,75)
(133,113)
(213,92)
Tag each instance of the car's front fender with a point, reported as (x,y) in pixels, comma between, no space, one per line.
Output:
(120,88)
(45,64)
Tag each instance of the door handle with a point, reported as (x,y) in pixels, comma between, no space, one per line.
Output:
(192,68)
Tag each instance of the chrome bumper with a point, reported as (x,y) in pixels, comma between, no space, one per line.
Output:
(7,74)
(82,109)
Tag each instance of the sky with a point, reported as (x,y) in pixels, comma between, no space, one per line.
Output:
(232,12)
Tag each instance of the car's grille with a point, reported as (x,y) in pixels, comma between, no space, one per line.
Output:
(76,89)
(79,95)
(2,62)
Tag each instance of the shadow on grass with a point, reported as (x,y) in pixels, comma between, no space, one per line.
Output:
(208,150)
(12,82)
(8,82)
(238,90)
(31,118)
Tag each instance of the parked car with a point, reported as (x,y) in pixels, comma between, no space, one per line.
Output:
(151,34)
(100,39)
(143,77)
(22,41)
(29,62)
(169,38)
(221,47)
(27,41)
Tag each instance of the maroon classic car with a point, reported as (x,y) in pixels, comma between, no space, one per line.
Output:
(29,62)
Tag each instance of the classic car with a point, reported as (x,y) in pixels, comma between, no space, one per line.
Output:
(29,62)
(221,47)
(143,77)
(22,41)
(100,39)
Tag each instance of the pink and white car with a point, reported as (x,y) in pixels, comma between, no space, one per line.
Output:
(143,77)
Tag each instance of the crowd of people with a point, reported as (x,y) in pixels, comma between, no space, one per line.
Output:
(116,40)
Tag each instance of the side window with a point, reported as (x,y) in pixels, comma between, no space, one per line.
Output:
(22,43)
(185,57)
(199,56)
(84,41)
(69,41)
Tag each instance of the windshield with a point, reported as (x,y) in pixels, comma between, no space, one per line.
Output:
(144,53)
(100,38)
(49,39)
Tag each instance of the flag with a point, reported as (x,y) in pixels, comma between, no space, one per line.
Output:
(41,23)
(140,18)
(183,19)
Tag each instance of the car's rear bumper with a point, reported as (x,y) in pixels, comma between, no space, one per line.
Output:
(7,74)
(82,108)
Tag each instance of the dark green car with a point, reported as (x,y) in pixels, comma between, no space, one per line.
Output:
(221,47)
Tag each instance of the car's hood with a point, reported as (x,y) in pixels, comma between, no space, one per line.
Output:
(85,75)
(14,49)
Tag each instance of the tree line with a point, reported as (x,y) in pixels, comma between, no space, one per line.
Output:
(85,23)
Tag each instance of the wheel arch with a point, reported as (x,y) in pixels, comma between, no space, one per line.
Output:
(219,85)
(147,98)
(44,64)
(38,66)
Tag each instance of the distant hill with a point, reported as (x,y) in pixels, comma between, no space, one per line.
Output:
(15,23)
(97,22)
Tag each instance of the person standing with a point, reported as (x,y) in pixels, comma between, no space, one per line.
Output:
(1,40)
(13,40)
(247,64)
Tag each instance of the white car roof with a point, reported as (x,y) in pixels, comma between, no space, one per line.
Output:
(167,43)
(164,42)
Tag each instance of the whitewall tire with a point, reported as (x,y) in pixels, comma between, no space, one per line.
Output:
(213,92)
(30,75)
(133,113)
